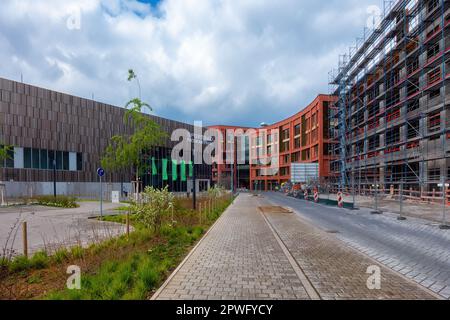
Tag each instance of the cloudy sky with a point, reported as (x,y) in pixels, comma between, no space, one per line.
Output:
(221,61)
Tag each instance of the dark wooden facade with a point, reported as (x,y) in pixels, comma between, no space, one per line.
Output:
(33,117)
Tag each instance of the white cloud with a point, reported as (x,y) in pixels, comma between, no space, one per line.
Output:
(221,61)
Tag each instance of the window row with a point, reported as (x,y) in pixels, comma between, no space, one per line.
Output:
(32,158)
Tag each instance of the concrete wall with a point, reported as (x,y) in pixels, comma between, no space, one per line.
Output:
(79,189)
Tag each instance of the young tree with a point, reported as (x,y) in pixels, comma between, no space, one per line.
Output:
(5,152)
(125,151)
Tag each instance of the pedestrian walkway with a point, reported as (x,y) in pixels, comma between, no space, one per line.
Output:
(238,259)
(335,270)
(257,251)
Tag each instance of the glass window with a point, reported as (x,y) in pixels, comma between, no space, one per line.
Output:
(27,158)
(35,158)
(65,161)
(79,161)
(44,159)
(10,159)
(59,160)
(51,157)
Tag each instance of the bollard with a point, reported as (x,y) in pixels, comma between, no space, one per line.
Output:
(25,239)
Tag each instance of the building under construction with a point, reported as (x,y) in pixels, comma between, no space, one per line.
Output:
(391,116)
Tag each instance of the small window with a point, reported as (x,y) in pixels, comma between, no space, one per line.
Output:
(59,160)
(35,158)
(79,162)
(66,161)
(44,159)
(51,158)
(27,158)
(435,94)
(9,161)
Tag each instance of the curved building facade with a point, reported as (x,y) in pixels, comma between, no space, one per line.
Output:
(301,138)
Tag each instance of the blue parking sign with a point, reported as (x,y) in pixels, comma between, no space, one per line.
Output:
(100,172)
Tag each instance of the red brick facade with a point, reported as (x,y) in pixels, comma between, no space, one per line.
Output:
(302,138)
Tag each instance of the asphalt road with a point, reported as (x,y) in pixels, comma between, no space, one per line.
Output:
(51,228)
(416,248)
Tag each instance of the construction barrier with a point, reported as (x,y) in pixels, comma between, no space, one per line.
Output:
(306,195)
(393,192)
(316,196)
(340,199)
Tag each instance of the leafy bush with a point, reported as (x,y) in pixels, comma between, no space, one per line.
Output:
(156,205)
(77,252)
(40,260)
(58,201)
(61,255)
(216,192)
(19,263)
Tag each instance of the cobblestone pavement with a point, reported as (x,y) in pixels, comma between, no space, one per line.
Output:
(250,255)
(416,248)
(238,259)
(335,270)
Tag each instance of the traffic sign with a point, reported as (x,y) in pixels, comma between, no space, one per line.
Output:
(100,172)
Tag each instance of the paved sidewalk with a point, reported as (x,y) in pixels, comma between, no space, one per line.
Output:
(238,259)
(241,258)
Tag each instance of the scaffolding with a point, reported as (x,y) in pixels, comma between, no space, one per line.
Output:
(391,116)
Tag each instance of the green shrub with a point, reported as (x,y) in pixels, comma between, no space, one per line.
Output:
(40,260)
(148,275)
(61,255)
(58,201)
(157,204)
(77,252)
(4,262)
(19,263)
